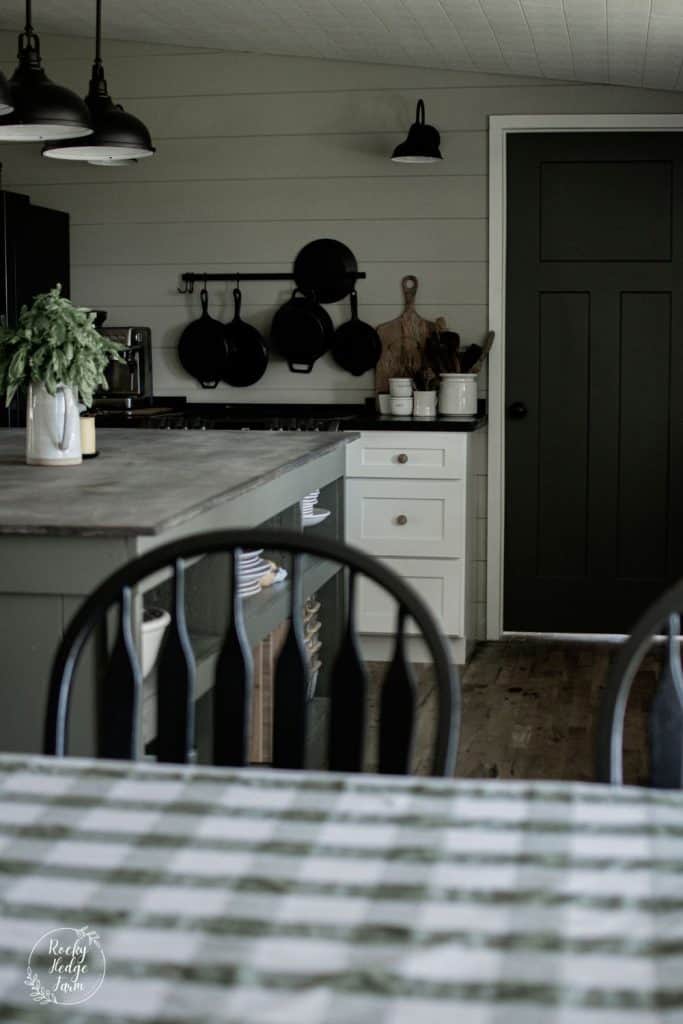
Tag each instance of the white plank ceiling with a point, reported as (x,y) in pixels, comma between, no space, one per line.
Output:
(629,42)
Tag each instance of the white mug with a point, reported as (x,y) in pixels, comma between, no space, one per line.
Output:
(401,406)
(424,404)
(400,387)
(384,404)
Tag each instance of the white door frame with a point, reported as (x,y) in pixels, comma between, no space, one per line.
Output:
(499,128)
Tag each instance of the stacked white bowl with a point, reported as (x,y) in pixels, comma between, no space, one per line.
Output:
(311,512)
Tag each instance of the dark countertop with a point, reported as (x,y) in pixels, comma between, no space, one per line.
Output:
(146,481)
(452,423)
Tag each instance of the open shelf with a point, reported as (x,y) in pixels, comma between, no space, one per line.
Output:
(262,614)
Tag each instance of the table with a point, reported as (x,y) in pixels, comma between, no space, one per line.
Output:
(300,898)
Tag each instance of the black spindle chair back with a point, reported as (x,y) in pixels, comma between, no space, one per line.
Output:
(665,724)
(121,685)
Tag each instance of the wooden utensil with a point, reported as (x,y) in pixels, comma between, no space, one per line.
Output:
(403,340)
(485,349)
(441,349)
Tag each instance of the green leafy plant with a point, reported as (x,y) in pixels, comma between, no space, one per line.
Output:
(55,343)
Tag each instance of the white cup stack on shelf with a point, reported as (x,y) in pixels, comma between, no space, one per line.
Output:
(311,513)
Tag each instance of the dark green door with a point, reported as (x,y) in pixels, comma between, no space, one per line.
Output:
(594,378)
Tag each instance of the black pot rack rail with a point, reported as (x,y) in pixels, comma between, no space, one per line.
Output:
(189,279)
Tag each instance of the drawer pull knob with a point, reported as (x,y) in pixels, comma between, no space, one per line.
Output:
(401,520)
(403,457)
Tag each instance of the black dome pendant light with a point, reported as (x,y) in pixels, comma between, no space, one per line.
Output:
(40,109)
(118,138)
(422,144)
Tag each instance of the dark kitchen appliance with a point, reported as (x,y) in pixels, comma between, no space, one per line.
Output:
(34,257)
(212,416)
(302,331)
(131,381)
(202,348)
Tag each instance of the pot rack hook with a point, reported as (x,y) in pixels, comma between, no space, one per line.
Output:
(188,285)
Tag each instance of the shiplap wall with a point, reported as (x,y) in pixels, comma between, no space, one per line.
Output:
(258,155)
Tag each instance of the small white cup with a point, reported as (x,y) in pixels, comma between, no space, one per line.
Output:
(400,387)
(401,406)
(424,404)
(384,404)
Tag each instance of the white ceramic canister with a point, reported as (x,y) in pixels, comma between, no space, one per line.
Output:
(401,406)
(53,427)
(458,394)
(424,404)
(384,404)
(400,387)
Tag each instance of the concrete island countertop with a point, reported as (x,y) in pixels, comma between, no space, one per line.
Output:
(146,481)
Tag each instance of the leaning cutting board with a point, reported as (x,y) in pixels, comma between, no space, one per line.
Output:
(403,340)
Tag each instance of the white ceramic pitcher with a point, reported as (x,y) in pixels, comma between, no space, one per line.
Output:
(53,429)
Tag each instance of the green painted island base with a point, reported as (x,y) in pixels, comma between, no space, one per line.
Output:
(46,574)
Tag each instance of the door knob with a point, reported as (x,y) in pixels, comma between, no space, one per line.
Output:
(517,410)
(401,520)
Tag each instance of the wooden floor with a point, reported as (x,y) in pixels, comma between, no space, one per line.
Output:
(530,710)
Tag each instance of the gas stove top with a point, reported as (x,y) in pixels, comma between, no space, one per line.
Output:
(238,417)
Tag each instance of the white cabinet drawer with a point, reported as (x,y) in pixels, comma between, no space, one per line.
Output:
(439,584)
(407,455)
(406,517)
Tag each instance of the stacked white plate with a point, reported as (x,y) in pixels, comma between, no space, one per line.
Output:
(311,513)
(251,570)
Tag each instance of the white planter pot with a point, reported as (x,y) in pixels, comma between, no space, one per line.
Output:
(154,625)
(53,429)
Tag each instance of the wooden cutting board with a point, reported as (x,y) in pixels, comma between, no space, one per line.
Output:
(403,340)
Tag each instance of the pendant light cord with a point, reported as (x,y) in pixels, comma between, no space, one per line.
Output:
(98,33)
(29,43)
(98,83)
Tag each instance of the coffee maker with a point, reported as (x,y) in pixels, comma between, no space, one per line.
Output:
(130,382)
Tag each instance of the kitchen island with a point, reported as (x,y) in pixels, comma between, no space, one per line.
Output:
(62,531)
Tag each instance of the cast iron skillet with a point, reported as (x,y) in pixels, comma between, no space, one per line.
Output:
(325,268)
(356,346)
(202,349)
(302,331)
(247,353)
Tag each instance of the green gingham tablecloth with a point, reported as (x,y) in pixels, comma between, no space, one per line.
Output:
(301,898)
